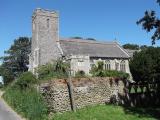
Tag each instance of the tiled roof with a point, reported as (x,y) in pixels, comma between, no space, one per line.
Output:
(92,48)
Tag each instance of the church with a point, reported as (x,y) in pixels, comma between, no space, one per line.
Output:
(47,46)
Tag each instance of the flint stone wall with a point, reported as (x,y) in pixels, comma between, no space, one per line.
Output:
(86,91)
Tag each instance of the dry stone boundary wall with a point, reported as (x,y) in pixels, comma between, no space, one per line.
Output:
(86,91)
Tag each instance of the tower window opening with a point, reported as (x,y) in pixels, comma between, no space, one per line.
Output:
(47,23)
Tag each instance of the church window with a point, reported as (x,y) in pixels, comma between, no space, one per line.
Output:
(117,66)
(122,66)
(107,65)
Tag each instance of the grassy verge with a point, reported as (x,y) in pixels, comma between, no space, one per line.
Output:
(24,98)
(28,103)
(109,112)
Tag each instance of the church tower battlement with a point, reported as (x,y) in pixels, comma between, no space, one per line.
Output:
(45,37)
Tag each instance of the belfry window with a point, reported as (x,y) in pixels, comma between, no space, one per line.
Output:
(47,23)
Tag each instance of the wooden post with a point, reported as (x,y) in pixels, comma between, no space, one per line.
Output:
(70,86)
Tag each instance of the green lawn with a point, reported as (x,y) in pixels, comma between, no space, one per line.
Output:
(110,112)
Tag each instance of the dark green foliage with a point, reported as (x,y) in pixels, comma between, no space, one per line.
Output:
(131,46)
(80,73)
(98,71)
(26,80)
(151,22)
(145,65)
(58,69)
(16,59)
(143,47)
(114,73)
(8,75)
(27,102)
(111,73)
(91,39)
(77,37)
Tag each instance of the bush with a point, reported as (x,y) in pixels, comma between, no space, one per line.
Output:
(58,69)
(27,102)
(45,71)
(114,73)
(111,73)
(80,73)
(26,80)
(98,71)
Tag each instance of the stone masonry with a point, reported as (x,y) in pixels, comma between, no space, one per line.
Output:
(45,37)
(86,91)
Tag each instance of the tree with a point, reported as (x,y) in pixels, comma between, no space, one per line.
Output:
(131,46)
(16,58)
(145,65)
(7,74)
(77,37)
(151,22)
(91,39)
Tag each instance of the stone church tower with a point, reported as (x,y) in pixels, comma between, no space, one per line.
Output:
(45,38)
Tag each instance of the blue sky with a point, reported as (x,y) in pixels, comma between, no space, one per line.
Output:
(100,19)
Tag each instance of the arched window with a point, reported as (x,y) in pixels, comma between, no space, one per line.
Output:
(117,66)
(107,65)
(123,66)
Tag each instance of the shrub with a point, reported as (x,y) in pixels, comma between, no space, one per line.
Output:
(58,69)
(114,73)
(45,71)
(26,80)
(80,73)
(98,71)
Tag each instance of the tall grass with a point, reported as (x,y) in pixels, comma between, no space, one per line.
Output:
(27,102)
(24,98)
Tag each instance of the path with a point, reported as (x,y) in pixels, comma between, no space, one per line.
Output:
(6,113)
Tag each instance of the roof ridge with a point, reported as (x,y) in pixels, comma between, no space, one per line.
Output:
(92,42)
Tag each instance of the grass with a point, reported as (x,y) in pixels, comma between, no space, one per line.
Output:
(109,112)
(27,102)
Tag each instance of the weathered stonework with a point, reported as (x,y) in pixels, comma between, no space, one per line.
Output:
(45,37)
(86,91)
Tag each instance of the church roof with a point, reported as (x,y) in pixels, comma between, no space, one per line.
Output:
(92,48)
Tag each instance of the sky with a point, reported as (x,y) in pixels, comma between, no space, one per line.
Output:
(104,20)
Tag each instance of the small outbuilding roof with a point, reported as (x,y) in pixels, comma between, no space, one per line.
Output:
(131,52)
(92,48)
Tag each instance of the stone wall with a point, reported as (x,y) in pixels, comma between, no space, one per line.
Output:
(86,91)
